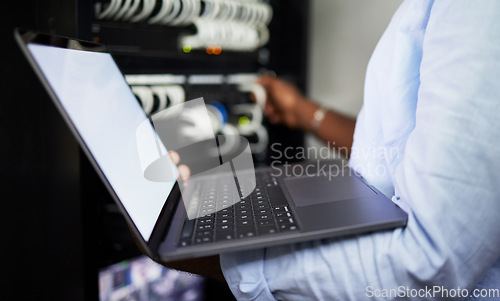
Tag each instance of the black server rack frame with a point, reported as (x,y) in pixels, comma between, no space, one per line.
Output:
(55,235)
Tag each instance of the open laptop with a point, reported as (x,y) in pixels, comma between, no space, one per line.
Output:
(93,97)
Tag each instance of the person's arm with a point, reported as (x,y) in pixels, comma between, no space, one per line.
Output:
(447,179)
(286,105)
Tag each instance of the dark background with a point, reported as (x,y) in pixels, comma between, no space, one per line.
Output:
(59,225)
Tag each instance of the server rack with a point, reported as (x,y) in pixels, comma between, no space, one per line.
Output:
(62,224)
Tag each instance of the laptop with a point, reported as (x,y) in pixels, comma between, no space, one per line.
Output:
(99,107)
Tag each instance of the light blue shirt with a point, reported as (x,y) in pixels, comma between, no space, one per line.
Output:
(428,136)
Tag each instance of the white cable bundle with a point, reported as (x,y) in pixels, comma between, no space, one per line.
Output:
(171,12)
(237,25)
(146,87)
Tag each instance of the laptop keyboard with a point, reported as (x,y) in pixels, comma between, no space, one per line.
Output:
(265,211)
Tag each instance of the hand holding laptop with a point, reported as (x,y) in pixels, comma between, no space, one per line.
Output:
(184,171)
(205,266)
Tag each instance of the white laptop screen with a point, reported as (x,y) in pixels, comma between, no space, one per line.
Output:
(96,98)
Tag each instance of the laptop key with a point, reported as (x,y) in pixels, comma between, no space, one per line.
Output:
(285,228)
(263,217)
(205,220)
(185,242)
(205,227)
(260,212)
(287,220)
(262,202)
(268,222)
(225,221)
(224,215)
(283,214)
(224,227)
(188,228)
(243,211)
(204,233)
(201,240)
(225,210)
(243,232)
(243,223)
(262,207)
(243,207)
(263,230)
(280,209)
(204,212)
(224,236)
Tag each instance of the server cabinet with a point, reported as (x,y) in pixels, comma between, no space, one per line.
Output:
(60,224)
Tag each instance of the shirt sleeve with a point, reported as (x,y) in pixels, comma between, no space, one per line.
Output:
(448,180)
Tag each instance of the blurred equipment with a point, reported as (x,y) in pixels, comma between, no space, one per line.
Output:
(220,24)
(142,279)
(232,112)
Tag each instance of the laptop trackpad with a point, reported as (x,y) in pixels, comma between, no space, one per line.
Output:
(322,189)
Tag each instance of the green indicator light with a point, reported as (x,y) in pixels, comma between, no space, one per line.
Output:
(186,49)
(243,121)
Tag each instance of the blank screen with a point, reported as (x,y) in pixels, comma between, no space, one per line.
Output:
(101,106)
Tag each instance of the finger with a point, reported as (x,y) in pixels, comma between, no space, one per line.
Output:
(175,157)
(266,80)
(274,119)
(184,171)
(268,109)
